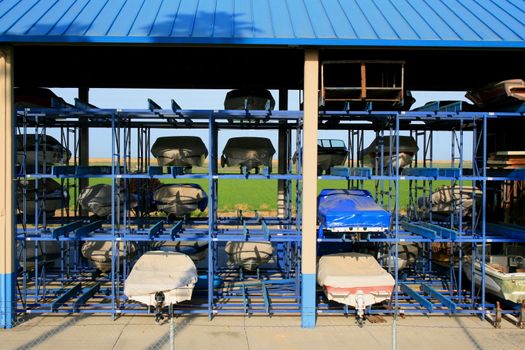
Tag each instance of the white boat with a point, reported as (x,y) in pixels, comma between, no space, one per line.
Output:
(249,255)
(49,151)
(251,99)
(248,152)
(498,280)
(51,197)
(161,278)
(354,279)
(330,153)
(378,152)
(100,253)
(185,151)
(448,199)
(180,199)
(97,199)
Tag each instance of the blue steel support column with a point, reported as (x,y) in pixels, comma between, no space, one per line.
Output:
(7,193)
(212,168)
(309,212)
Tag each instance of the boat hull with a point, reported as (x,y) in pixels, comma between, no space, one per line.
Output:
(508,286)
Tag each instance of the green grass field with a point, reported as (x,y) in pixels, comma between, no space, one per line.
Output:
(261,195)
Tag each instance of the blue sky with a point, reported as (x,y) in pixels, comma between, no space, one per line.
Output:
(214,99)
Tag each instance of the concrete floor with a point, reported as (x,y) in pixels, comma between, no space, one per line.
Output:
(232,332)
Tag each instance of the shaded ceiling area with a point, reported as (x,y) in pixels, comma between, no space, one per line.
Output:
(235,67)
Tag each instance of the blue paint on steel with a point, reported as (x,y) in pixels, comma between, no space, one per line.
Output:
(84,230)
(308,304)
(439,296)
(7,300)
(65,230)
(154,230)
(176,229)
(68,294)
(87,293)
(419,230)
(431,23)
(405,288)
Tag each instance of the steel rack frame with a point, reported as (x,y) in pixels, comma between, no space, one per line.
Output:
(69,288)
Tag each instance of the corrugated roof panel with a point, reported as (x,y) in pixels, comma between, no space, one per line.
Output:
(358,20)
(382,27)
(507,22)
(282,26)
(15,14)
(223,26)
(122,24)
(145,19)
(87,18)
(342,27)
(105,19)
(205,19)
(32,17)
(165,19)
(68,18)
(185,19)
(322,25)
(262,20)
(50,18)
(446,23)
(301,21)
(461,29)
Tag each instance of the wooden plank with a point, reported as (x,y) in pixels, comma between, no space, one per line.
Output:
(363,80)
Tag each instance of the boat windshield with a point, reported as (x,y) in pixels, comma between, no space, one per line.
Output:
(331,143)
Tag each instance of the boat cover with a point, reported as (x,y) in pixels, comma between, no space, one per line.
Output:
(179,151)
(49,150)
(254,99)
(172,273)
(180,199)
(196,250)
(248,151)
(351,210)
(352,270)
(100,252)
(249,255)
(447,199)
(97,199)
(55,197)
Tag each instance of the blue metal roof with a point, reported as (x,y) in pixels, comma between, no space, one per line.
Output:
(436,23)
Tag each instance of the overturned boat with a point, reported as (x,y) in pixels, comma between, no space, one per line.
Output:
(44,252)
(180,199)
(99,253)
(354,279)
(250,99)
(161,278)
(51,197)
(196,250)
(378,153)
(351,211)
(248,153)
(451,199)
(504,95)
(499,281)
(330,153)
(49,151)
(97,199)
(38,98)
(249,255)
(185,151)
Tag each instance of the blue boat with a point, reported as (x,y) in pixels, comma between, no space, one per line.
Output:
(351,211)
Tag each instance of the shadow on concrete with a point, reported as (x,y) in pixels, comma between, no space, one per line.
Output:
(52,332)
(165,339)
(467,332)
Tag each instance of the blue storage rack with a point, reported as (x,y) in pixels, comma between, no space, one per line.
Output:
(73,291)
